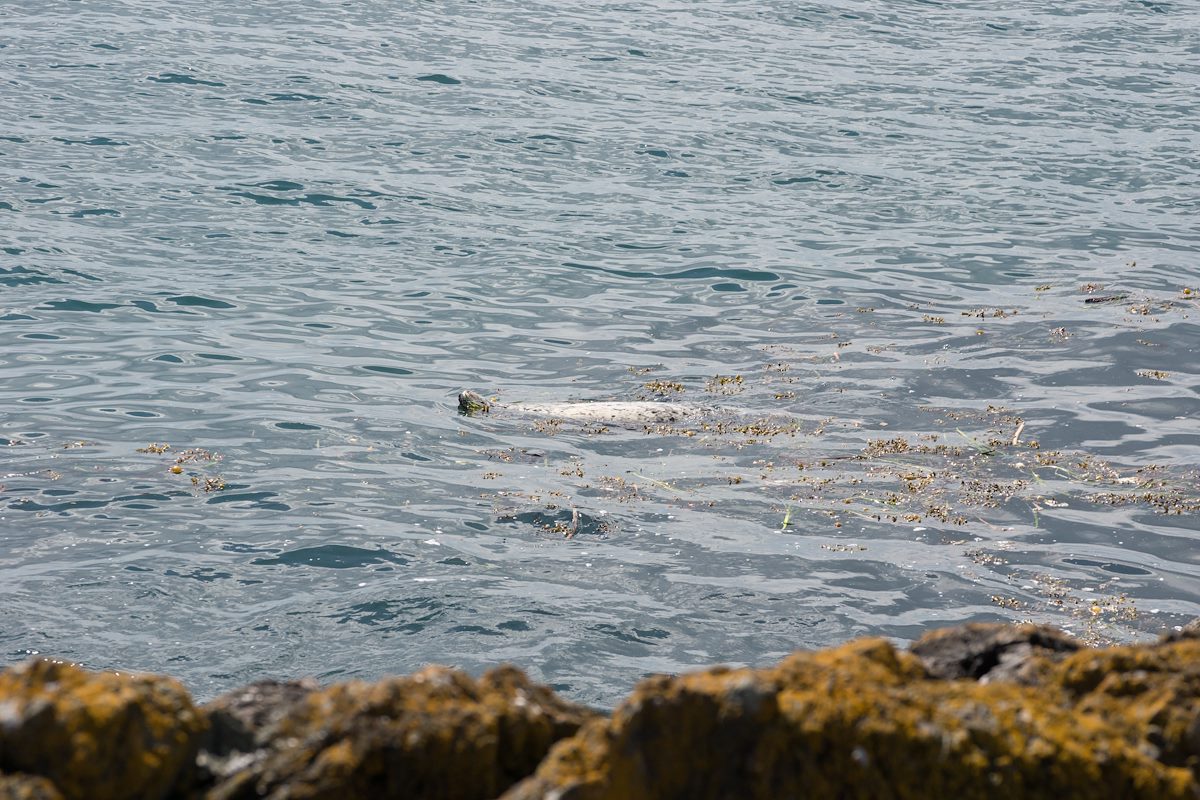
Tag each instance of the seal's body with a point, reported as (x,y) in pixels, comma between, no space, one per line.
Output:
(610,413)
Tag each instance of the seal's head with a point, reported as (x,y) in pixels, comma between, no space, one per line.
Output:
(472,403)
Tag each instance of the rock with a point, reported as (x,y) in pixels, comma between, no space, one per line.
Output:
(240,722)
(1188,631)
(96,735)
(1150,691)
(979,711)
(27,787)
(866,721)
(990,651)
(435,734)
(238,719)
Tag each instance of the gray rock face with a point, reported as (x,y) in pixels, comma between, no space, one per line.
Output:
(991,651)
(608,413)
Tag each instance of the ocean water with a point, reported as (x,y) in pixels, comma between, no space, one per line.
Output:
(935,264)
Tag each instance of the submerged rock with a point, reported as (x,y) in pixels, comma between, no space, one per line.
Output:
(95,735)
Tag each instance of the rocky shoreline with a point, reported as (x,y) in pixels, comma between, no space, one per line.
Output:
(976,711)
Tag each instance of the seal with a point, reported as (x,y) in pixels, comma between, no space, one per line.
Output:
(473,404)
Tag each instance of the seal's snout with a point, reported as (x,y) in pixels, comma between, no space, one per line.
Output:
(472,403)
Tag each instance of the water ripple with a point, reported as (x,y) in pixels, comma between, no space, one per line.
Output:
(280,238)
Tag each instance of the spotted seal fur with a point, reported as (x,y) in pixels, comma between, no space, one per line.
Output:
(605,412)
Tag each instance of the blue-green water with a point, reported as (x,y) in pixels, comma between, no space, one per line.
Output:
(285,235)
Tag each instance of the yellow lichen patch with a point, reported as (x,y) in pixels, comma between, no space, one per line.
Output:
(864,721)
(96,735)
(1151,692)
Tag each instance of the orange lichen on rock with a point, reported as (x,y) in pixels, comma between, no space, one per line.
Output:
(978,711)
(866,721)
(435,734)
(95,735)
(1152,692)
